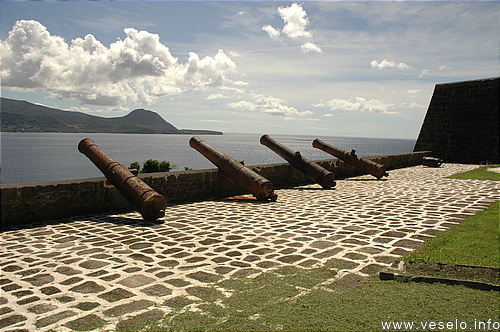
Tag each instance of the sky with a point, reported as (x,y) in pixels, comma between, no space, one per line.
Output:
(326,68)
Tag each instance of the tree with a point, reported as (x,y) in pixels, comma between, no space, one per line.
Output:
(151,166)
(165,166)
(135,165)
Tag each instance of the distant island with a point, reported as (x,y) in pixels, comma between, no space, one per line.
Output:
(23,116)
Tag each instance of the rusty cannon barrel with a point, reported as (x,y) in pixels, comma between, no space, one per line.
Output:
(256,184)
(146,201)
(363,164)
(322,176)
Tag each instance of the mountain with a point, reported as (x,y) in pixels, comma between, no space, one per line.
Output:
(24,116)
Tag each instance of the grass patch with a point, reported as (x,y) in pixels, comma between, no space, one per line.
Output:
(480,173)
(475,241)
(273,302)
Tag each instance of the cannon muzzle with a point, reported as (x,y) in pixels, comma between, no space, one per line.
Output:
(363,164)
(321,175)
(146,201)
(256,184)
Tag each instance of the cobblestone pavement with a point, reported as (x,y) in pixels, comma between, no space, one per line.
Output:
(93,272)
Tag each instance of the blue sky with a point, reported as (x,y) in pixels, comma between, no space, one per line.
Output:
(340,68)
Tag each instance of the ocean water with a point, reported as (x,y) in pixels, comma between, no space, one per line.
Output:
(40,157)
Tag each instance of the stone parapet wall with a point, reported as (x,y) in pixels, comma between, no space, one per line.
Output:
(33,202)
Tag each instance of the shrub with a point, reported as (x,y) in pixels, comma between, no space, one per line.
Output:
(165,166)
(151,166)
(135,165)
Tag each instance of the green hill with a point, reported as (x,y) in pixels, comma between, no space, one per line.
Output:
(23,116)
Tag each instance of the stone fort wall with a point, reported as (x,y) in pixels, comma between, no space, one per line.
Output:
(462,122)
(36,202)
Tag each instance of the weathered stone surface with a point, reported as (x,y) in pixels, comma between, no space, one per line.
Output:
(371,269)
(22,293)
(291,258)
(28,300)
(128,307)
(141,257)
(66,270)
(406,243)
(169,263)
(157,290)
(245,273)
(393,234)
(93,264)
(50,290)
(86,323)
(88,287)
(204,276)
(136,281)
(86,306)
(328,253)
(40,279)
(46,321)
(71,281)
(141,245)
(11,320)
(355,256)
(322,244)
(177,282)
(116,295)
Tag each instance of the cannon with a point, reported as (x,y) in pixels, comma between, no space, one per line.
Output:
(146,201)
(256,184)
(363,164)
(322,176)
(432,161)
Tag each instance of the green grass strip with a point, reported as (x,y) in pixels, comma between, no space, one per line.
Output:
(480,173)
(272,303)
(475,241)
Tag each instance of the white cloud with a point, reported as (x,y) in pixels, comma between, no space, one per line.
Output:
(243,106)
(414,104)
(423,73)
(273,33)
(138,68)
(295,21)
(310,47)
(269,104)
(358,104)
(328,115)
(389,64)
(217,96)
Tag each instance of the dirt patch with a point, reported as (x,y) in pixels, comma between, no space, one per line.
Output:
(454,271)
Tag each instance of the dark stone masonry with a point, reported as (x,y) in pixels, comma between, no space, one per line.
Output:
(462,122)
(34,202)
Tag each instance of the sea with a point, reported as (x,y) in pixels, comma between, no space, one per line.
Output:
(42,157)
